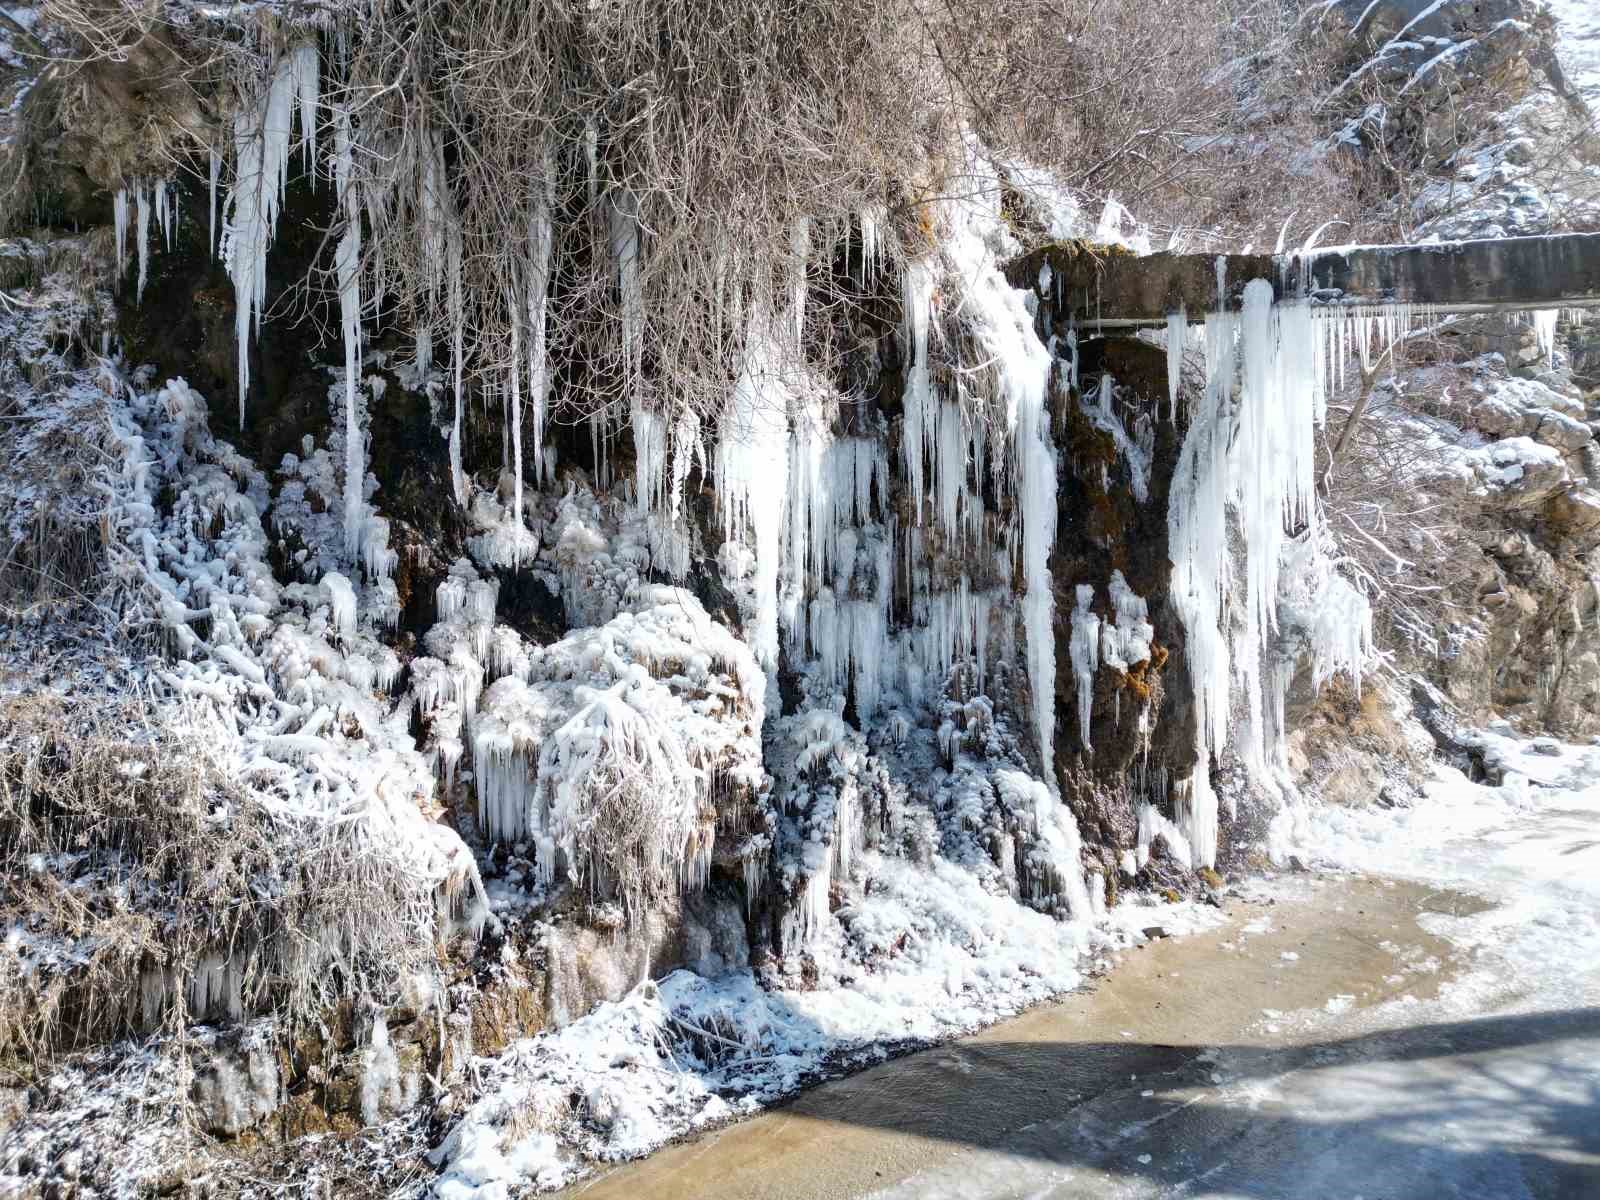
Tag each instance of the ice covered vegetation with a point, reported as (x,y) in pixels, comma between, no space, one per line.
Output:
(561,584)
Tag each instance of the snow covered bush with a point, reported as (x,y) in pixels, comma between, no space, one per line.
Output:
(614,750)
(208,807)
(148,888)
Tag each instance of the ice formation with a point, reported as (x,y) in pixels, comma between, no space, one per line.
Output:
(659,698)
(1544,330)
(1249,453)
(753,468)
(148,199)
(347,259)
(284,688)
(1085,651)
(1137,450)
(1126,638)
(261,144)
(213,176)
(951,432)
(1177,336)
(538,287)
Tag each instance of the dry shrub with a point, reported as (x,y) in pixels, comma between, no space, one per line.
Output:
(744,140)
(148,888)
(1413,549)
(55,441)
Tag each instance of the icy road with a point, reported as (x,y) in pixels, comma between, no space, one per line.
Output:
(1422,1021)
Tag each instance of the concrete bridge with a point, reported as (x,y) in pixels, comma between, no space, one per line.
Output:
(1115,289)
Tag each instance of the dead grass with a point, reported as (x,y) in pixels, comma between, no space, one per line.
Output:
(146,889)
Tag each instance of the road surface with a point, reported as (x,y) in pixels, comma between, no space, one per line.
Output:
(1342,1036)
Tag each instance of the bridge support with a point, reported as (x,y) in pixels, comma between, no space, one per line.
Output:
(1107,286)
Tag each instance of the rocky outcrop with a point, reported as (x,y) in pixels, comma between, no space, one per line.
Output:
(1462,110)
(1513,458)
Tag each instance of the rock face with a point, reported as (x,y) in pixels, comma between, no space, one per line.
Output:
(1463,109)
(237,1084)
(1511,459)
(1110,524)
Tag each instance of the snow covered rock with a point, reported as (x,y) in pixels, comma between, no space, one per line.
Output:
(237,1082)
(1519,473)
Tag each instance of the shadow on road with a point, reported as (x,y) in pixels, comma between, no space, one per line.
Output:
(1496,1107)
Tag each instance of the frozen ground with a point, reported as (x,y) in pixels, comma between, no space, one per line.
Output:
(1422,1021)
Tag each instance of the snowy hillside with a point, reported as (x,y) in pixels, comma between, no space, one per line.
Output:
(546,612)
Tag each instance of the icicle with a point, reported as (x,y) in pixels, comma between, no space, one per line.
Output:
(121,219)
(800,249)
(458,479)
(142,194)
(306,68)
(215,172)
(159,198)
(539,239)
(261,136)
(1085,652)
(649,431)
(341,602)
(422,340)
(1177,331)
(752,472)
(1544,332)
(347,256)
(916,302)
(434,216)
(1037,500)
(872,221)
(1198,538)
(514,411)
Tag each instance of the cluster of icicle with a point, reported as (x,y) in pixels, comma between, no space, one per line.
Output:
(831,556)
(1120,641)
(261,147)
(150,198)
(659,703)
(1250,452)
(943,433)
(814,504)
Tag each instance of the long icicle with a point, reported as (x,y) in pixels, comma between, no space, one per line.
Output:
(539,238)
(215,174)
(348,258)
(514,407)
(142,194)
(458,478)
(261,135)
